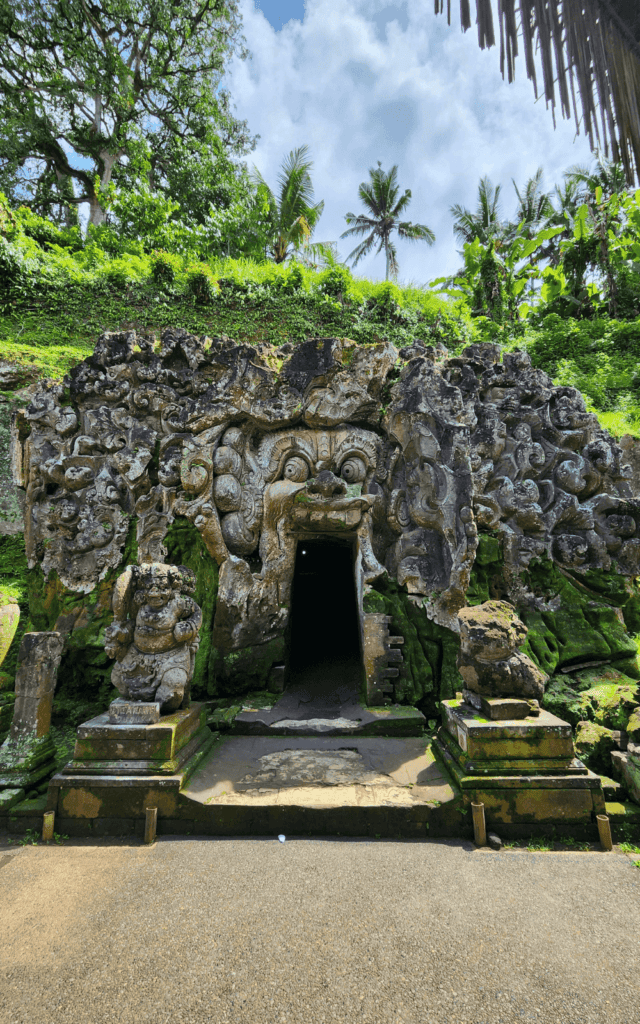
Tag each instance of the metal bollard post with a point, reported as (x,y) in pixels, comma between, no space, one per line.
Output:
(150,824)
(604,831)
(479,825)
(48,820)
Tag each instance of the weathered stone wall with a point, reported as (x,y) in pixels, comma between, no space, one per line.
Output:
(461,480)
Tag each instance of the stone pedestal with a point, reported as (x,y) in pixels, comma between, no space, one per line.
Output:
(28,755)
(132,712)
(524,771)
(118,770)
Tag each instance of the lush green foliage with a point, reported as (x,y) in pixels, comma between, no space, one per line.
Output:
(125,90)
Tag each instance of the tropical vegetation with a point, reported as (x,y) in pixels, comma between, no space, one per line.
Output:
(380,196)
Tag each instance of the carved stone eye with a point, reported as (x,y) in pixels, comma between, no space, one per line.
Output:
(353,470)
(296,469)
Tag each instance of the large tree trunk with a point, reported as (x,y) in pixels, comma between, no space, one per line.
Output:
(108,161)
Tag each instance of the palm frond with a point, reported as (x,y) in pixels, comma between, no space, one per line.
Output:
(363,249)
(361,224)
(589,52)
(416,232)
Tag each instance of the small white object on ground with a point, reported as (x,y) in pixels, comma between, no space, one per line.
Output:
(282,838)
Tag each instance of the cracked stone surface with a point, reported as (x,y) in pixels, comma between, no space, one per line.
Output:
(316,724)
(315,768)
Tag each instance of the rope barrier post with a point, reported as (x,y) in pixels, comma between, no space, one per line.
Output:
(150,824)
(479,824)
(604,831)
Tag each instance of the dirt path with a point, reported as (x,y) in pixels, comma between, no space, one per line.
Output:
(316,931)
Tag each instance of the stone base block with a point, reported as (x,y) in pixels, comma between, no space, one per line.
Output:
(131,712)
(500,709)
(160,748)
(115,789)
(25,762)
(537,781)
(537,738)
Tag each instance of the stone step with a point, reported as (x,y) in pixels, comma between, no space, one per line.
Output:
(613,791)
(396,720)
(361,786)
(623,811)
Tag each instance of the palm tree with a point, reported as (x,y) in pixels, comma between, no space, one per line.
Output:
(292,216)
(608,174)
(534,205)
(380,197)
(596,56)
(485,223)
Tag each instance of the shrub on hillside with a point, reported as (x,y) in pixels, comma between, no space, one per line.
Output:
(164,267)
(200,283)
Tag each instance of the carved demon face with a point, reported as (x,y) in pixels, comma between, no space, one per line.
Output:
(300,480)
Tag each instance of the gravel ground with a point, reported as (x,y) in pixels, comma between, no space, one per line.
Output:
(315,931)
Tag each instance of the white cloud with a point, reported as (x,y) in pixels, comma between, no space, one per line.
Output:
(360,81)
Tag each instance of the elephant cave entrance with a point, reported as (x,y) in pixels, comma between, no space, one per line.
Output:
(325,661)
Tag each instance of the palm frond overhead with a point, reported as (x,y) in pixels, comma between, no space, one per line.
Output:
(590,56)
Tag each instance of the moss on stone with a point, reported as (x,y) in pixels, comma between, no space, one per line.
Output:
(248,669)
(587,623)
(603,696)
(429,673)
(185,547)
(13,577)
(594,744)
(487,566)
(84,679)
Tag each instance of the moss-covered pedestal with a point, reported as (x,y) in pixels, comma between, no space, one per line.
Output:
(120,770)
(525,772)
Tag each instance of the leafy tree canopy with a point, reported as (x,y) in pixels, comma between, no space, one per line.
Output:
(118,90)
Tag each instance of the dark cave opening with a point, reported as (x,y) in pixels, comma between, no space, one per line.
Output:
(324,636)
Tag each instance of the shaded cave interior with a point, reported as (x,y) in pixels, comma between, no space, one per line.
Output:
(323,641)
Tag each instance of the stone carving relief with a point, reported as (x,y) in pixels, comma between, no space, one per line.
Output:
(489,660)
(154,634)
(410,453)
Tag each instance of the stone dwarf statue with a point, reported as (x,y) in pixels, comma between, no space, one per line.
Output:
(489,660)
(154,634)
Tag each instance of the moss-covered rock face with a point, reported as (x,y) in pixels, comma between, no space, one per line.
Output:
(84,679)
(429,673)
(250,668)
(581,618)
(9,618)
(603,696)
(594,744)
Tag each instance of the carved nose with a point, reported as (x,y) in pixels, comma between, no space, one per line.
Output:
(327,484)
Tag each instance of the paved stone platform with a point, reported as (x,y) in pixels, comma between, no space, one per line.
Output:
(348,785)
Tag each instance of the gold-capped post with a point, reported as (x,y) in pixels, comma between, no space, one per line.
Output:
(48,821)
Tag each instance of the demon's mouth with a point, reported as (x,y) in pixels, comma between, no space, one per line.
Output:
(326,504)
(327,514)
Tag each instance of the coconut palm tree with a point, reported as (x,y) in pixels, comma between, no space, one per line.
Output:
(608,174)
(485,224)
(293,215)
(534,205)
(379,195)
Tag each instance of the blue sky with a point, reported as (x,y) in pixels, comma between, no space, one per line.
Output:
(365,80)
